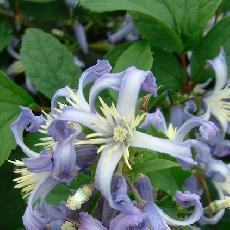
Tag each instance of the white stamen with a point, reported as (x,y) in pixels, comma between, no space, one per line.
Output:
(27,180)
(68,226)
(171,132)
(80,197)
(219,105)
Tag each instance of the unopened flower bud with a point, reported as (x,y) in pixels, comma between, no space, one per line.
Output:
(217,205)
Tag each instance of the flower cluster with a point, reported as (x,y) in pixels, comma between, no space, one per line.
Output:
(85,134)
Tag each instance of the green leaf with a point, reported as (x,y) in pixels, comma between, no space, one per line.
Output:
(116,52)
(167,70)
(209,48)
(169,180)
(167,205)
(165,22)
(5,34)
(157,32)
(151,17)
(225,5)
(153,165)
(47,63)
(191,17)
(138,54)
(156,9)
(10,98)
(43,11)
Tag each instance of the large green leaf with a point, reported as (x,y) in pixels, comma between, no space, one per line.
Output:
(10,98)
(154,8)
(165,23)
(167,70)
(52,10)
(138,54)
(116,52)
(191,17)
(5,34)
(157,33)
(209,48)
(153,165)
(169,180)
(48,64)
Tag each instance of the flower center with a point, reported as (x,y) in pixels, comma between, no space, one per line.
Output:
(120,134)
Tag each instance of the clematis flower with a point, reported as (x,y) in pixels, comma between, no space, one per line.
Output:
(207,129)
(153,217)
(217,101)
(115,130)
(40,172)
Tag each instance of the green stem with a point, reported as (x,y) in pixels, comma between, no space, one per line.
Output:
(136,194)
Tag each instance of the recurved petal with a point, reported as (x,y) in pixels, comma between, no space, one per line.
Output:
(112,81)
(186,199)
(181,151)
(157,120)
(131,84)
(221,70)
(26,121)
(104,172)
(90,75)
(207,129)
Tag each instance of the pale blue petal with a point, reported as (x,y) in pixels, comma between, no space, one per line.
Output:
(130,87)
(221,70)
(181,151)
(104,172)
(87,222)
(90,75)
(26,121)
(154,217)
(64,159)
(186,199)
(157,120)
